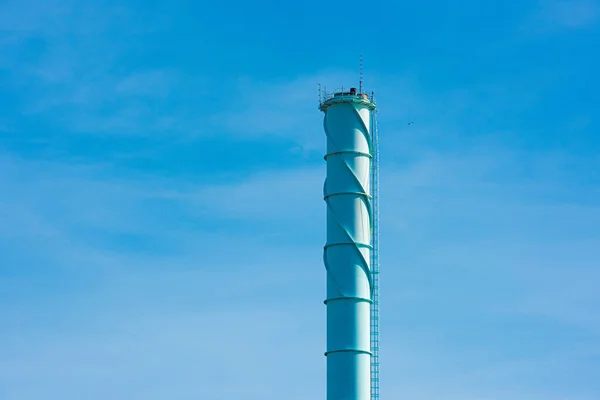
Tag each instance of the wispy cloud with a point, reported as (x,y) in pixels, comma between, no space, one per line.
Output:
(178,355)
(571,14)
(155,286)
(211,279)
(66,64)
(286,196)
(77,208)
(171,304)
(553,16)
(285,109)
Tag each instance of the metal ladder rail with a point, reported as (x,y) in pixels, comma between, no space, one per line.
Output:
(375,261)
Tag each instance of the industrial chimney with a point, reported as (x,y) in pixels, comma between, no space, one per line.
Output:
(348,258)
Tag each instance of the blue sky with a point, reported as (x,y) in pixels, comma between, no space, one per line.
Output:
(161,213)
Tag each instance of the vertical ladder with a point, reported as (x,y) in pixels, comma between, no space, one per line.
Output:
(375,259)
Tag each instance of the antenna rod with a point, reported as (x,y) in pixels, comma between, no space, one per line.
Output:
(320,97)
(361,75)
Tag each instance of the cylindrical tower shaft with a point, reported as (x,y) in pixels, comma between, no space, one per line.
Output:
(347,251)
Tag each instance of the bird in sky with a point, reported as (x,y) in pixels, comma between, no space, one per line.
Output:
(410,123)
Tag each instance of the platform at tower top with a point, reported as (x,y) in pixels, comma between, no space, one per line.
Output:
(340,96)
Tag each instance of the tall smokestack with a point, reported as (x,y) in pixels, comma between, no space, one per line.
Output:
(347,253)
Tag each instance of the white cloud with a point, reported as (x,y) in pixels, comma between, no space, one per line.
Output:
(552,16)
(212,319)
(280,109)
(179,355)
(466,240)
(159,325)
(65,62)
(287,196)
(571,14)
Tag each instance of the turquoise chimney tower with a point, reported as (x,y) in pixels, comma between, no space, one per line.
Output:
(348,253)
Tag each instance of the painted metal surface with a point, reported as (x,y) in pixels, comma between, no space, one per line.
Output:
(347,253)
